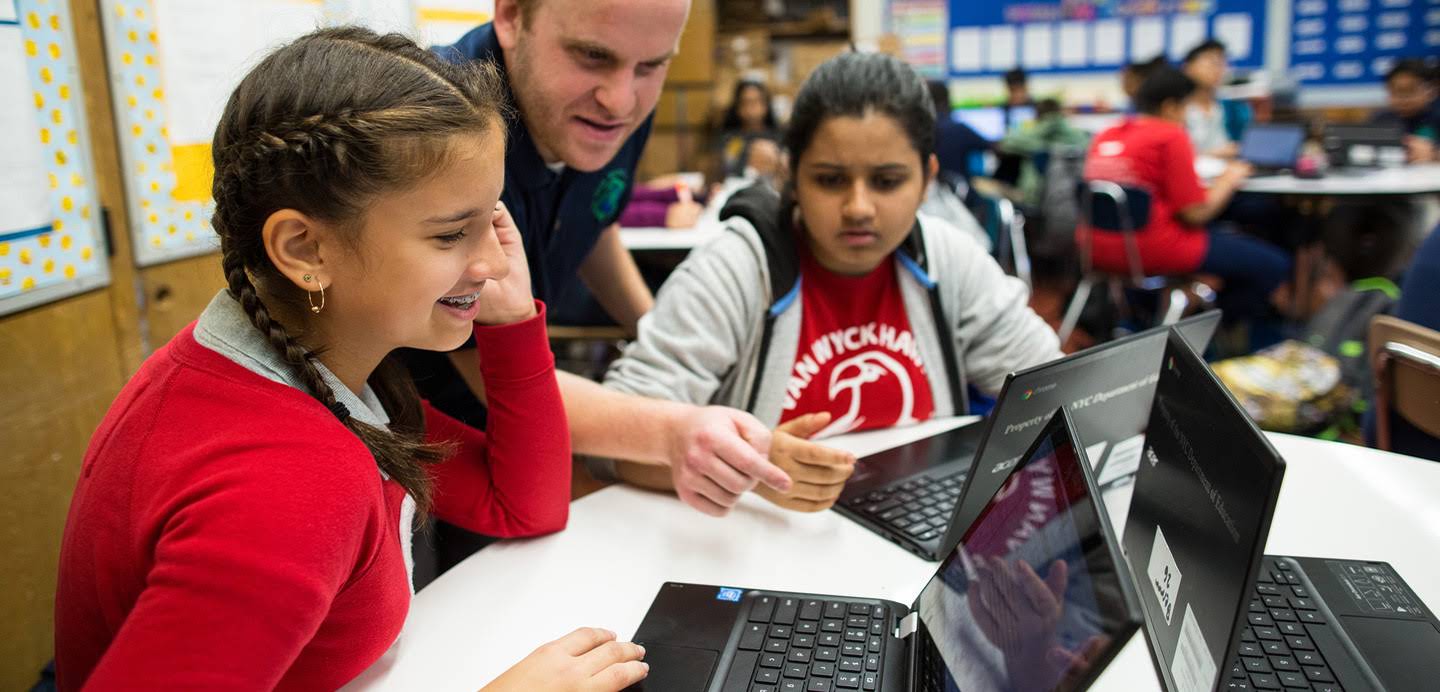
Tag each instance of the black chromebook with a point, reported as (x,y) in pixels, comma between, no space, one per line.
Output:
(908,494)
(1221,615)
(1033,598)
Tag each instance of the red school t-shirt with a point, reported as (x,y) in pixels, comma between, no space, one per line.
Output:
(1154,155)
(857,357)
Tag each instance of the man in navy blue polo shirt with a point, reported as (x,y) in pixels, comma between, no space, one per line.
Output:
(584,76)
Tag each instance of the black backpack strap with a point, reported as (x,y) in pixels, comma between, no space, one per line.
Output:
(913,257)
(760,205)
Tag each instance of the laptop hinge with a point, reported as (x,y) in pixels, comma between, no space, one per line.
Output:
(908,625)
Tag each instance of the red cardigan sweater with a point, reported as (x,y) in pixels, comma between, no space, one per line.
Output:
(227,532)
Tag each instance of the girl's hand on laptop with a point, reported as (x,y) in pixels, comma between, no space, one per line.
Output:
(586,660)
(819,472)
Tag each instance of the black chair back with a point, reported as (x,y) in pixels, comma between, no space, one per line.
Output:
(1111,206)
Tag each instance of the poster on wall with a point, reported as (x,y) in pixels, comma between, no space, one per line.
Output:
(920,27)
(51,242)
(1077,36)
(1343,42)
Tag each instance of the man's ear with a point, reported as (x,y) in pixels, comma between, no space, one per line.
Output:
(508,23)
(294,243)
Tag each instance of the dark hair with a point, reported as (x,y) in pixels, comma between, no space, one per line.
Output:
(1415,67)
(1142,69)
(1045,107)
(853,84)
(1015,77)
(1163,84)
(1369,237)
(322,125)
(731,121)
(1206,46)
(939,96)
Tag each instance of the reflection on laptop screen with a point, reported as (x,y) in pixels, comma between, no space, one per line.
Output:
(1272,146)
(986,122)
(1198,519)
(1031,598)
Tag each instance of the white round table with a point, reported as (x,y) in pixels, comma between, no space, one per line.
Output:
(603,570)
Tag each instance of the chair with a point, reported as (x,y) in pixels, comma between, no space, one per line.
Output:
(1110,206)
(1405,360)
(1003,222)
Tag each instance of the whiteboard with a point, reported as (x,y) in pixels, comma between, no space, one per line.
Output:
(173,64)
(51,241)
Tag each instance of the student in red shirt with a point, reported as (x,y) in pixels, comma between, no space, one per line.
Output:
(244,513)
(836,306)
(1152,152)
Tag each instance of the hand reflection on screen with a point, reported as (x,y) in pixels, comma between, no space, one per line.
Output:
(1018,612)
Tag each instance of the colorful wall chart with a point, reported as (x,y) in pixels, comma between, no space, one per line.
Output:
(51,241)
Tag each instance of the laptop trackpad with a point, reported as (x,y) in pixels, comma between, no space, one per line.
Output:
(677,669)
(1405,654)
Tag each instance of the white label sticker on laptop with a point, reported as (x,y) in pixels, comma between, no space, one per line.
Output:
(1124,460)
(1193,669)
(1095,452)
(1164,575)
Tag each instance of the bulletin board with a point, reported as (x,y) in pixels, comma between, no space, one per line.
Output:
(173,64)
(1344,42)
(51,241)
(989,38)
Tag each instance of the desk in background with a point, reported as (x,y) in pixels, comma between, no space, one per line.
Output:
(603,570)
(652,239)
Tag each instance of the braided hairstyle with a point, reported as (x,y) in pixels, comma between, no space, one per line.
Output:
(322,125)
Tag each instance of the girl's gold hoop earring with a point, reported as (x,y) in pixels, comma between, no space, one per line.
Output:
(310,295)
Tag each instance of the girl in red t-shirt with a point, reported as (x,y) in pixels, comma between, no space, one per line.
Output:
(836,306)
(244,514)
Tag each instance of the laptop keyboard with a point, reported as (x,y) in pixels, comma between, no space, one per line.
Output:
(920,507)
(809,645)
(1276,649)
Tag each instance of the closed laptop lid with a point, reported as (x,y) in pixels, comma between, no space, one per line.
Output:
(1107,390)
(1272,146)
(1198,520)
(1034,597)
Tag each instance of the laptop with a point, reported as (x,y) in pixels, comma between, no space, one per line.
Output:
(1273,147)
(908,494)
(1362,148)
(1219,614)
(1044,538)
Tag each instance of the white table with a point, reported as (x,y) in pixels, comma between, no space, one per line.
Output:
(1407,180)
(643,239)
(621,544)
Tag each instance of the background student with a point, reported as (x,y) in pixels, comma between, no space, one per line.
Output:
(837,308)
(244,516)
(1411,91)
(1152,152)
(1215,125)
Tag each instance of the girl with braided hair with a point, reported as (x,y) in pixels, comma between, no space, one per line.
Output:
(244,514)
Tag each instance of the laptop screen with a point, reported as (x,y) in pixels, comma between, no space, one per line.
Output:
(1272,146)
(1198,520)
(1106,389)
(988,122)
(1032,598)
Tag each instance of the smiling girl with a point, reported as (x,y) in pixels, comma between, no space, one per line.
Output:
(837,307)
(244,513)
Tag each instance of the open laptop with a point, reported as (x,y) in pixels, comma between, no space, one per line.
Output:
(908,494)
(1362,148)
(1043,547)
(1272,147)
(1221,615)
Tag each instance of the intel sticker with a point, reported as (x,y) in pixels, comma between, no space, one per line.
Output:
(732,595)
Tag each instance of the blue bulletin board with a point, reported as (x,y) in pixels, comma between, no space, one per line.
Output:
(988,38)
(1343,42)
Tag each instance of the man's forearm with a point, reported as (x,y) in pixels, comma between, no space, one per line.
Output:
(614,279)
(607,423)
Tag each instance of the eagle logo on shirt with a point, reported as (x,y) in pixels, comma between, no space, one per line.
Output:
(606,202)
